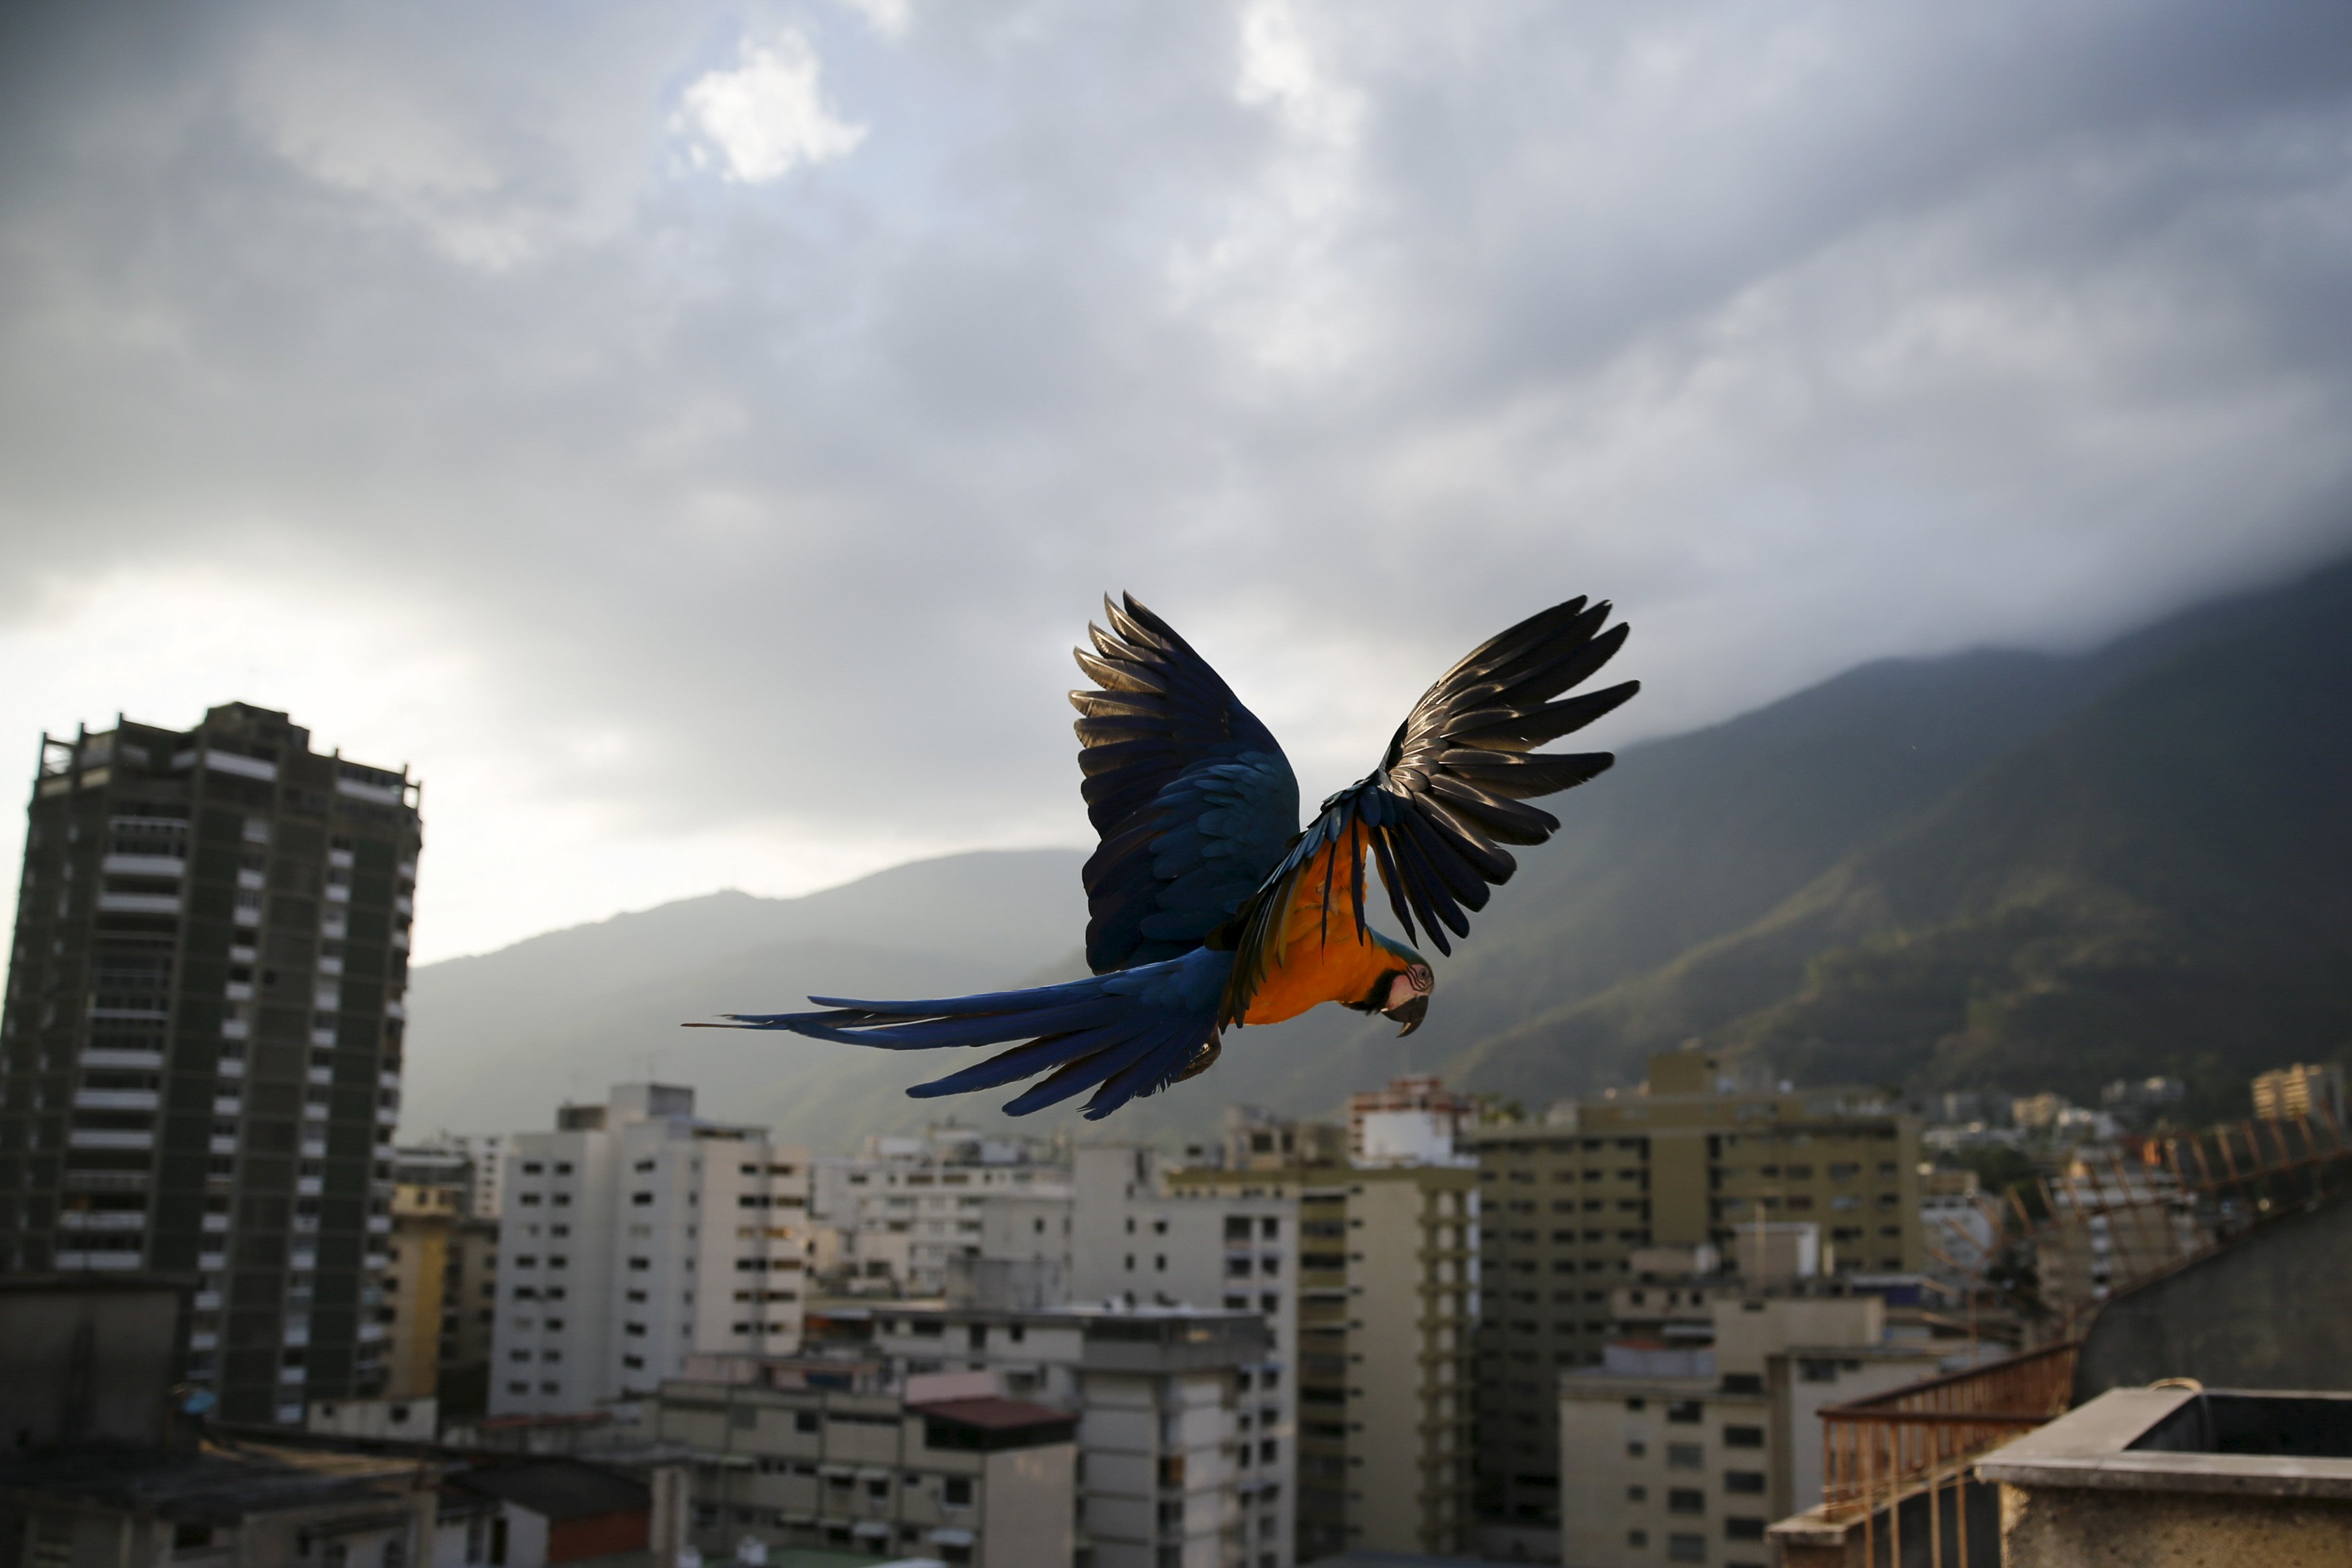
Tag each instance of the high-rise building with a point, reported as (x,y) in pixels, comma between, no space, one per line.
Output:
(1388,1302)
(200,1056)
(1140,1243)
(635,1235)
(1693,1158)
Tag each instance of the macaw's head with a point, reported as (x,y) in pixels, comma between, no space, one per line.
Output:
(1402,990)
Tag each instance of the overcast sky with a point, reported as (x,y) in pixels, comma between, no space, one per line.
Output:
(691,436)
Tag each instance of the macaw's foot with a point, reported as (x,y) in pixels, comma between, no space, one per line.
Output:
(1202,1059)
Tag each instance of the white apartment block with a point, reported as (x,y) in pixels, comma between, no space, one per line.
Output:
(635,1235)
(1136,1245)
(905,1206)
(1171,1402)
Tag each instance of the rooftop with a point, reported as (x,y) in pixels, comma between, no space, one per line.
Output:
(221,1482)
(2246,1443)
(558,1488)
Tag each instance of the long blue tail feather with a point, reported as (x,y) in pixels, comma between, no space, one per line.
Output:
(1125,1034)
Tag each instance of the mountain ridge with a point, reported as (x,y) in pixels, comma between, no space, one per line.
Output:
(1743,884)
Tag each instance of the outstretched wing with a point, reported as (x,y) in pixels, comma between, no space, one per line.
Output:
(1193,799)
(1452,790)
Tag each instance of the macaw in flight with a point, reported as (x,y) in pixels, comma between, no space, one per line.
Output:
(1209,908)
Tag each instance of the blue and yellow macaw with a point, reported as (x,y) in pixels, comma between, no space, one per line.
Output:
(1209,908)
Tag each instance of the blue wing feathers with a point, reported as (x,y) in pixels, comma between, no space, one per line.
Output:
(1192,796)
(1122,1034)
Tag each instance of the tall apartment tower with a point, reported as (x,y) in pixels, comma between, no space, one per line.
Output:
(635,1235)
(1387,1291)
(1136,1244)
(200,1054)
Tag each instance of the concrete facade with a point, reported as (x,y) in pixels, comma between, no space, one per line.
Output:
(905,1206)
(1693,1159)
(991,1483)
(2176,1477)
(1138,1242)
(1175,1409)
(201,1052)
(633,1236)
(1686,1451)
(1388,1301)
(2243,1317)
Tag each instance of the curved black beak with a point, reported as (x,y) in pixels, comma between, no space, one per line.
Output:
(1414,1009)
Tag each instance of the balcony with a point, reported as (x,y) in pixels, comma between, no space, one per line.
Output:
(139,904)
(1901,1460)
(106,1181)
(143,865)
(102,1219)
(117,1099)
(151,1061)
(98,1138)
(124,1261)
(243,767)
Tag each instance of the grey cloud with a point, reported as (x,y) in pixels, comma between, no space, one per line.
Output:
(1809,334)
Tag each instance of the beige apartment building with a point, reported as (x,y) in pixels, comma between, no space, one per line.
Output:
(1684,1450)
(1689,1159)
(1387,1304)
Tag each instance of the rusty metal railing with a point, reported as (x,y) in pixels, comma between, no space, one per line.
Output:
(1922,1438)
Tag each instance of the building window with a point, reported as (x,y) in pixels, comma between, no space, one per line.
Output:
(1686,1411)
(955,1491)
(1743,1481)
(1686,1456)
(1685,1547)
(1686,1500)
(1744,1529)
(1743,1437)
